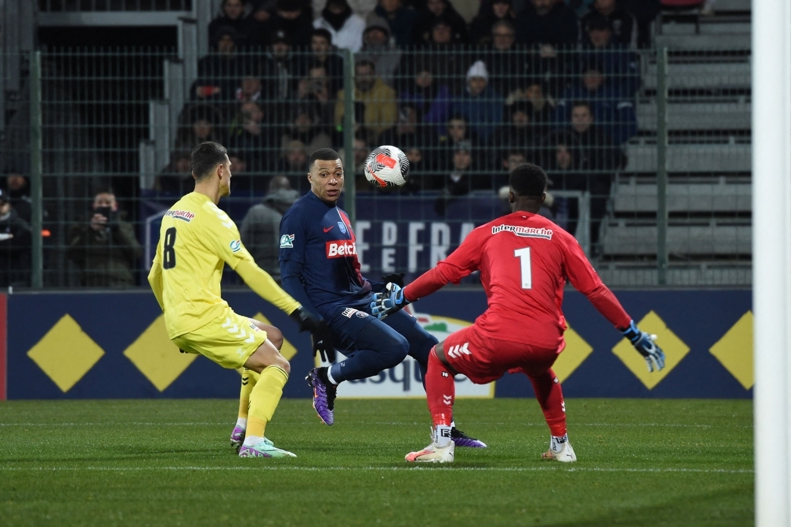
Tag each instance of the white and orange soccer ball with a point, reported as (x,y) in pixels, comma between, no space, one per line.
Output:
(387,166)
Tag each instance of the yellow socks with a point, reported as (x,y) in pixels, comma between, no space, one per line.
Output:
(249,380)
(264,397)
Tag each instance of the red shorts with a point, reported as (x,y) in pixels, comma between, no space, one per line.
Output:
(484,359)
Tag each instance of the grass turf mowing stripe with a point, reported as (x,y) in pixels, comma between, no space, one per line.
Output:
(554,466)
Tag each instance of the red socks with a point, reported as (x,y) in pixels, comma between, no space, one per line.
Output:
(549,395)
(440,391)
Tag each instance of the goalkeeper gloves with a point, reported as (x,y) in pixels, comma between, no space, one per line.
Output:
(645,346)
(388,302)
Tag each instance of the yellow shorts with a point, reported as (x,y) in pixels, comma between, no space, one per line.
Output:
(228,340)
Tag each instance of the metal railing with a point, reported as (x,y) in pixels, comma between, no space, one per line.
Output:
(649,153)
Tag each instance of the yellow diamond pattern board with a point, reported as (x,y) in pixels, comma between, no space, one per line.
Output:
(577,350)
(157,357)
(675,350)
(735,350)
(66,353)
(114,345)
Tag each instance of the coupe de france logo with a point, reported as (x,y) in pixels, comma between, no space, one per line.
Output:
(287,241)
(236,245)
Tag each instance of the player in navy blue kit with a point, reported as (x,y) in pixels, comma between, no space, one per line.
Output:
(319,268)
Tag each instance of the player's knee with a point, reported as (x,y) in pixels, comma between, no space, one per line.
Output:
(283,364)
(395,352)
(275,336)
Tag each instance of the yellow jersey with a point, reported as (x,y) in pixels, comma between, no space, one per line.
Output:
(196,240)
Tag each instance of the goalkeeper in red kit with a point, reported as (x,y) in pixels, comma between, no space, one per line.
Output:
(525,261)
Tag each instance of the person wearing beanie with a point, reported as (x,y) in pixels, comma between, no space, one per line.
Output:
(480,104)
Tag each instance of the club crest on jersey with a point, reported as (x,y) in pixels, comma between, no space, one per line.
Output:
(524,232)
(349,312)
(342,227)
(287,241)
(235,246)
(341,249)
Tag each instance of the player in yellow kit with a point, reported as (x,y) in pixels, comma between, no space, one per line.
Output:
(196,240)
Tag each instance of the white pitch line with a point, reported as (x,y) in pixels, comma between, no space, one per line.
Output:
(477,423)
(352,469)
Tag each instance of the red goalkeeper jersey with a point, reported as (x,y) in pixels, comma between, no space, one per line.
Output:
(525,261)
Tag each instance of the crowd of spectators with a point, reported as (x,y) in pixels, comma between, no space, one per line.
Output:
(458,98)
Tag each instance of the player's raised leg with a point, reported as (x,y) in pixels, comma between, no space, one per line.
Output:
(378,347)
(264,398)
(249,380)
(440,394)
(550,397)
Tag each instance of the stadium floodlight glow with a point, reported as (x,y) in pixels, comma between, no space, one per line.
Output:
(771,140)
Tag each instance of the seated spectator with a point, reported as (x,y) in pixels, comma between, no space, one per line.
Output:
(280,70)
(565,168)
(434,11)
(233,16)
(176,178)
(458,131)
(18,193)
(400,20)
(462,178)
(294,165)
(509,159)
(507,69)
(361,151)
(550,28)
(305,127)
(377,98)
(596,147)
(314,90)
(408,130)
(517,133)
(249,89)
(323,55)
(345,26)
(104,248)
(200,123)
(253,138)
(260,230)
(293,17)
(430,97)
(488,14)
(480,104)
(618,64)
(450,60)
(378,49)
(245,181)
(220,72)
(620,22)
(614,111)
(419,172)
(15,246)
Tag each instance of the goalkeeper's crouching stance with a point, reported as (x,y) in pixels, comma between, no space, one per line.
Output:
(525,261)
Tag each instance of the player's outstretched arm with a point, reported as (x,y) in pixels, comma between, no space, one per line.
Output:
(645,346)
(265,286)
(155,279)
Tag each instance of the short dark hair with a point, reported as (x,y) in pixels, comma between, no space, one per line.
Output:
(205,157)
(324,33)
(527,179)
(323,154)
(586,104)
(365,62)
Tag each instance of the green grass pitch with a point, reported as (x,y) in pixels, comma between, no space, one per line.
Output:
(168,462)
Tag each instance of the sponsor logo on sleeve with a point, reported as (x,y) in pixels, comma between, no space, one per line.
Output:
(341,249)
(287,241)
(524,232)
(342,227)
(236,245)
(183,215)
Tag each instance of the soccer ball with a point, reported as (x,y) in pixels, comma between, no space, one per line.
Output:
(387,166)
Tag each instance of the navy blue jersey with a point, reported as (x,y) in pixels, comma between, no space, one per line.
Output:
(317,246)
